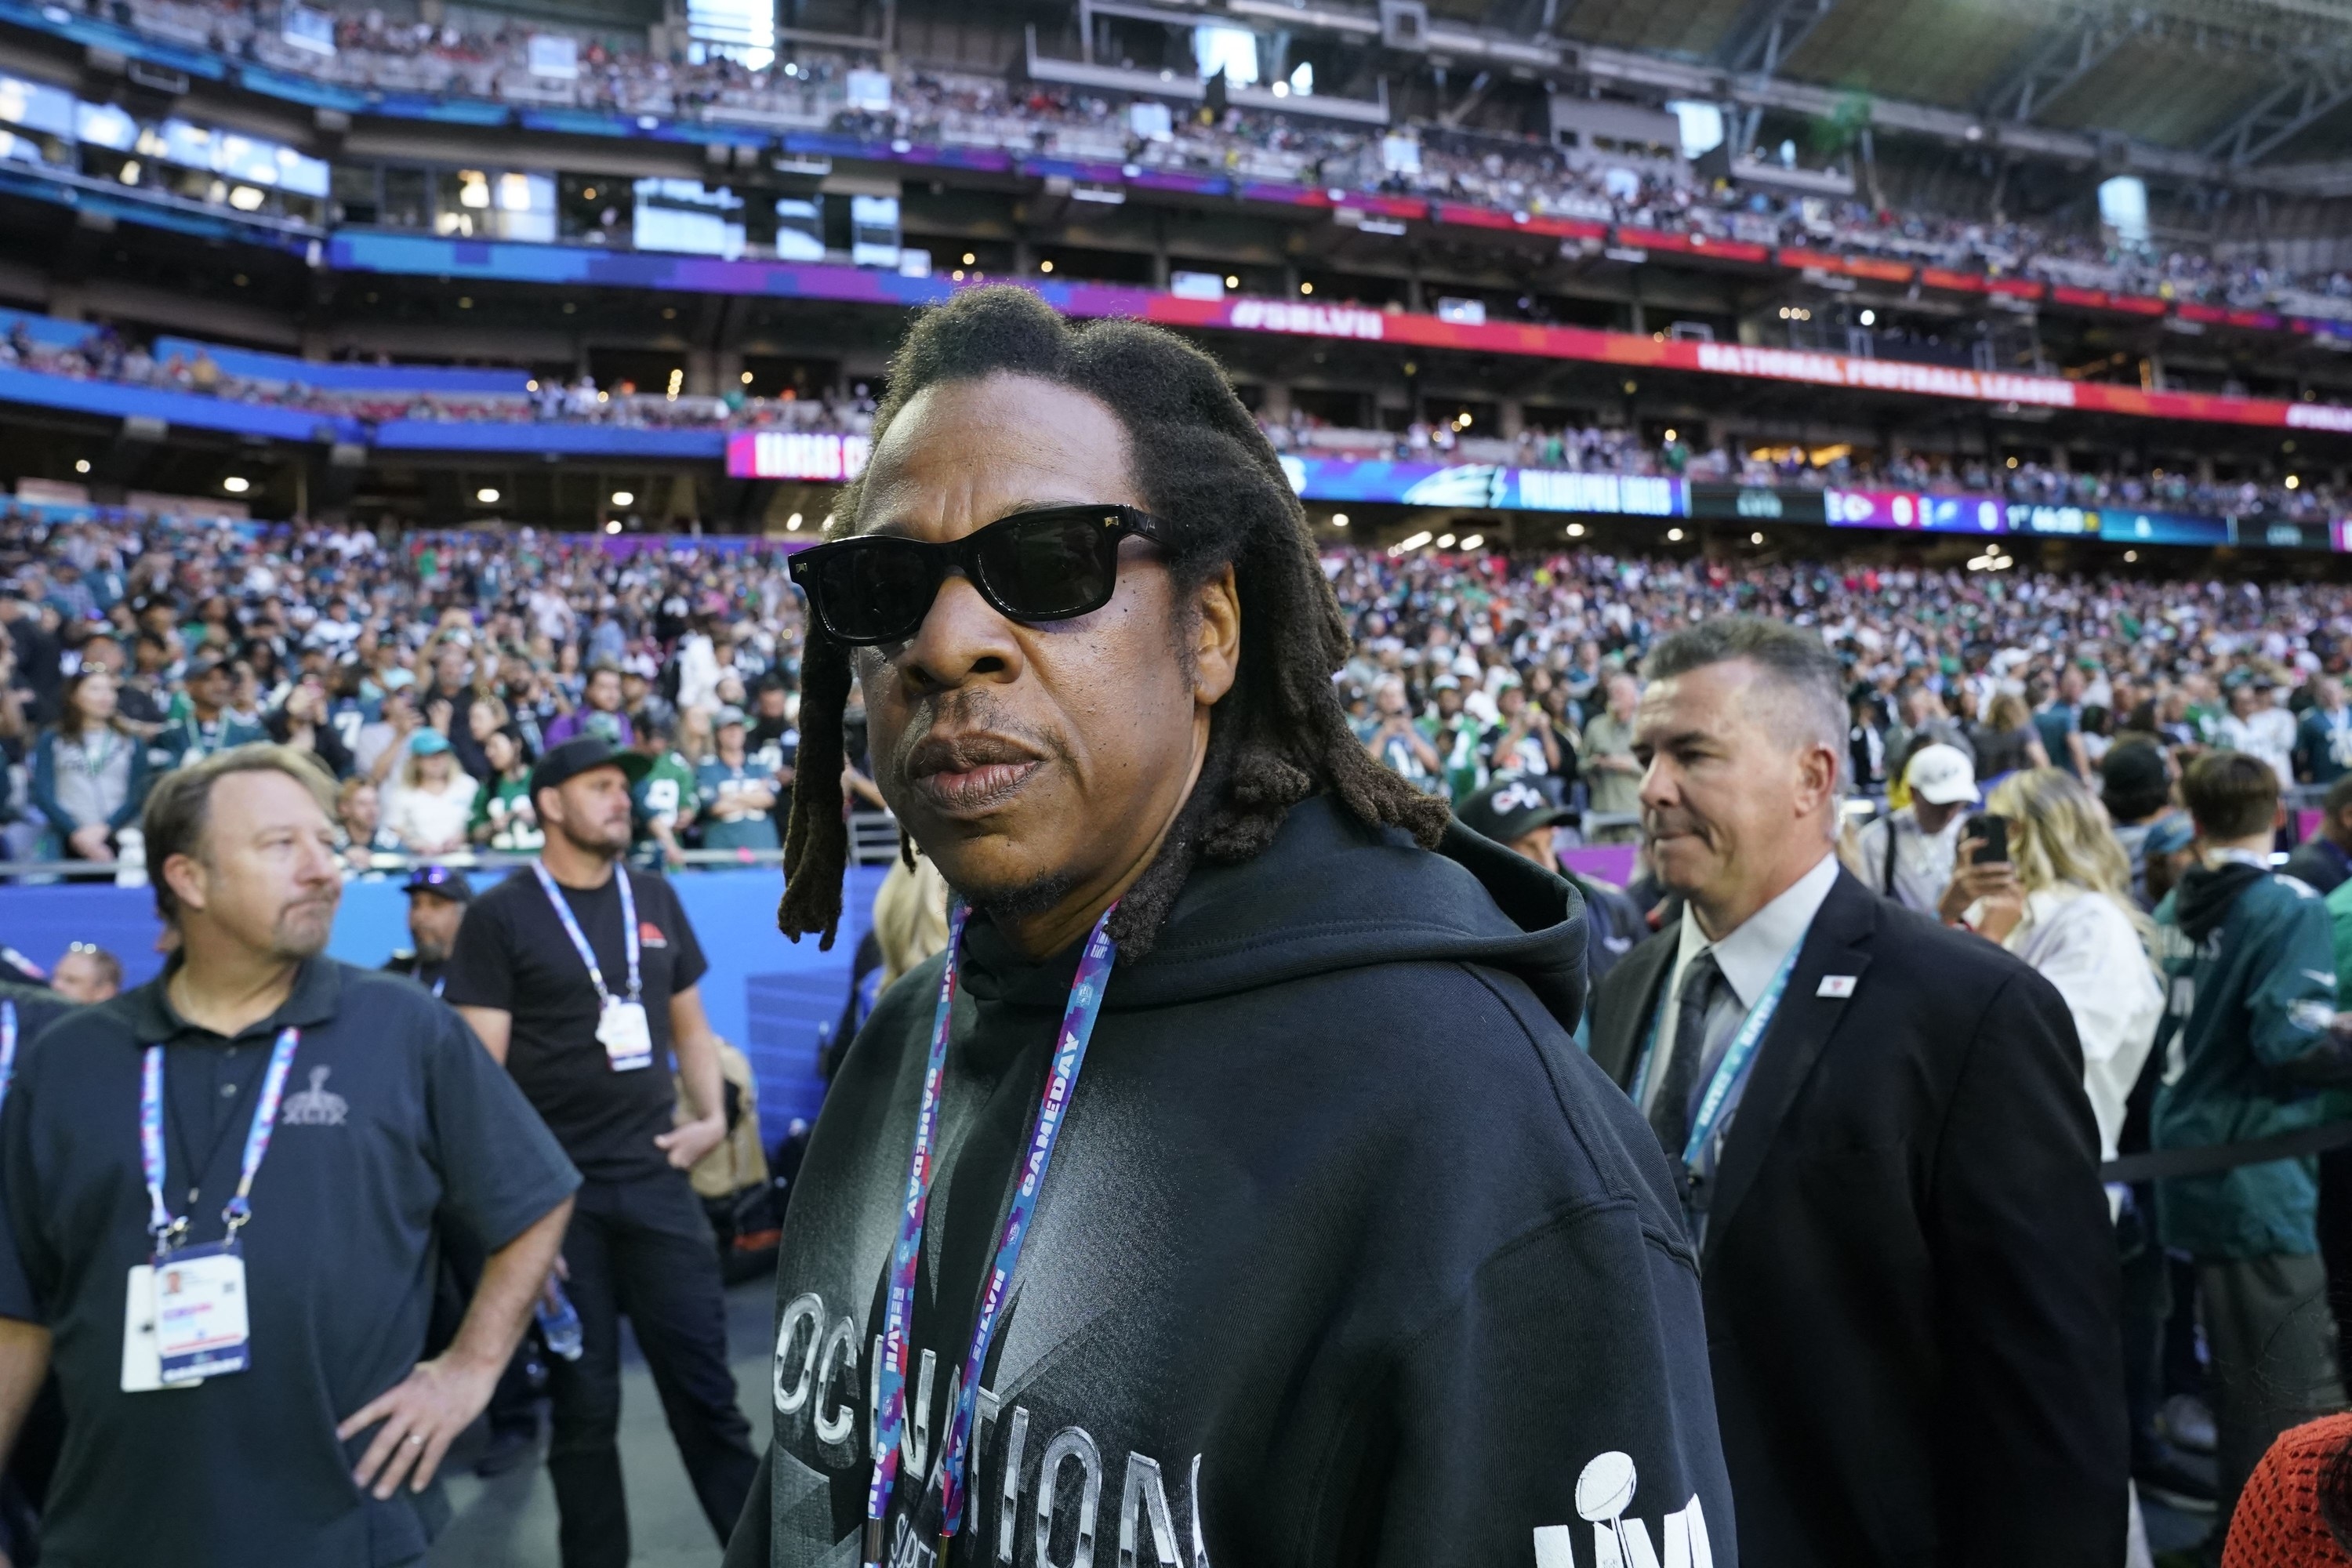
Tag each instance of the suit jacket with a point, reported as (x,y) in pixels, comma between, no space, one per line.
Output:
(1911,1284)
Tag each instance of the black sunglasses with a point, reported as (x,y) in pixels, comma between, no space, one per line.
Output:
(1052,564)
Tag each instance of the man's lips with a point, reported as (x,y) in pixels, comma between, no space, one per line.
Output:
(964,774)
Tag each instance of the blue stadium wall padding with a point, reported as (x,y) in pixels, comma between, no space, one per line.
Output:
(768,996)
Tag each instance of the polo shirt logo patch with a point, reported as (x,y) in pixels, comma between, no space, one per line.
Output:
(650,935)
(314,1106)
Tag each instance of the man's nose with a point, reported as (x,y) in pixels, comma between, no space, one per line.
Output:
(962,638)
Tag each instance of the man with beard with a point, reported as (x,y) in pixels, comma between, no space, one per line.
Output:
(438,897)
(1339,1250)
(221,1190)
(1885,1154)
(581,975)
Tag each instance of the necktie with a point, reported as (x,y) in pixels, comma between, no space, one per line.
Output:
(1670,1114)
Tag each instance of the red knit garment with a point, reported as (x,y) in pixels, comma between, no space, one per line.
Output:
(2277,1524)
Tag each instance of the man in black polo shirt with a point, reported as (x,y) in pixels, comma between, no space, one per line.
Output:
(321,1118)
(581,977)
(438,897)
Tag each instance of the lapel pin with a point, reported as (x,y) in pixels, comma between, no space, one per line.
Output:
(1838,987)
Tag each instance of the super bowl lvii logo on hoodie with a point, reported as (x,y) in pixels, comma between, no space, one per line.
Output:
(1604,1492)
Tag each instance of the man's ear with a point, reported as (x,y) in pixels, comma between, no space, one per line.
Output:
(185,877)
(1216,637)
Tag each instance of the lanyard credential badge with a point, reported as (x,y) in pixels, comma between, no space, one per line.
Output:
(622,1027)
(184,1317)
(1044,1129)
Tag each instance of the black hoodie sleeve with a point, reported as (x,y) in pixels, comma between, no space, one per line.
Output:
(1567,1392)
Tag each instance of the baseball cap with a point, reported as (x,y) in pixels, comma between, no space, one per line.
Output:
(730,714)
(1510,809)
(2170,835)
(1941,775)
(445,881)
(427,743)
(586,753)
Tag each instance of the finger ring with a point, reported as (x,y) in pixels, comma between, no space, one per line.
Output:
(414,1441)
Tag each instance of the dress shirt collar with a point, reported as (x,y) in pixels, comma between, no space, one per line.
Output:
(1754,951)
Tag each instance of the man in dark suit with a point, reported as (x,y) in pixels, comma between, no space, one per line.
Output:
(1891,1166)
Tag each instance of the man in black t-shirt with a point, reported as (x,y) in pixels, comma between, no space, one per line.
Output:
(581,977)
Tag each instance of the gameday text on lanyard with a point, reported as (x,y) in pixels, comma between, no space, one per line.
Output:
(621,1026)
(1069,1054)
(1738,1057)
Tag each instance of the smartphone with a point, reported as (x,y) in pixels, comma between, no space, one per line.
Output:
(1993,832)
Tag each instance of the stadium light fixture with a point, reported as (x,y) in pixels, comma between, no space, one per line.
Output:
(614,526)
(1044,267)
(1339,520)
(747,378)
(1306,287)
(1575,530)
(1445,542)
(1474,541)
(236,484)
(2295,481)
(1233,281)
(1671,434)
(247,198)
(488,495)
(81,465)
(1756,538)
(1413,541)
(969,259)
(2130,556)
(1869,318)
(1674,536)
(131,172)
(624,498)
(792,524)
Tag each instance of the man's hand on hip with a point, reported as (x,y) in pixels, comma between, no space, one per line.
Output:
(421,1415)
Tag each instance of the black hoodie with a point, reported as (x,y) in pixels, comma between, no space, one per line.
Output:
(1347,1254)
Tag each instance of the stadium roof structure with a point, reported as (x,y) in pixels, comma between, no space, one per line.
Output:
(2199,89)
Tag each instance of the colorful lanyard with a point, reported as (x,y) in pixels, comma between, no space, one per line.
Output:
(580,941)
(1729,1071)
(1078,1028)
(8,1046)
(166,1230)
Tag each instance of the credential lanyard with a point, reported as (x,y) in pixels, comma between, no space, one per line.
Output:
(1728,1071)
(579,940)
(165,1229)
(1078,1028)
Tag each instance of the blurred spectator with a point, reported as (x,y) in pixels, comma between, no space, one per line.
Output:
(503,819)
(2322,739)
(2324,860)
(2009,740)
(435,804)
(438,897)
(300,722)
(735,799)
(359,824)
(2136,787)
(1907,854)
(2248,966)
(2063,904)
(86,973)
(90,774)
(1611,774)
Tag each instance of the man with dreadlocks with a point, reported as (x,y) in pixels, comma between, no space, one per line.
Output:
(1307,1236)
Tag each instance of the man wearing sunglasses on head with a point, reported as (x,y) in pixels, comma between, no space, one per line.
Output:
(1231,1188)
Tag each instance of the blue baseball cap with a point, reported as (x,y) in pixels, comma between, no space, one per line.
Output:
(428,744)
(2170,835)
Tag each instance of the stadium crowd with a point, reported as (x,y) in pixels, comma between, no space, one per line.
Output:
(810,90)
(137,646)
(104,353)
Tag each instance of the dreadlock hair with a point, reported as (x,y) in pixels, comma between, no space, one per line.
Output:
(1206,470)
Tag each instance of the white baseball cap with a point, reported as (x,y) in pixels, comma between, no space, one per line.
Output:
(1941,775)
